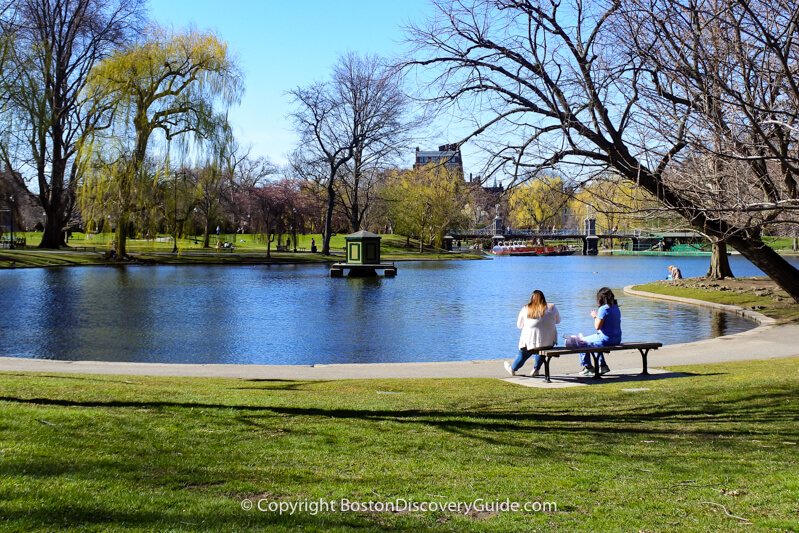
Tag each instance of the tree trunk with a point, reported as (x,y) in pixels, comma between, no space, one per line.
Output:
(270,237)
(206,233)
(51,237)
(331,197)
(55,220)
(355,209)
(175,239)
(719,262)
(122,236)
(770,262)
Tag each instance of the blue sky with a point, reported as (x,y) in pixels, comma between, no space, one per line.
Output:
(283,44)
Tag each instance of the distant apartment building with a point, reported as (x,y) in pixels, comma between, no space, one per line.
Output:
(447,154)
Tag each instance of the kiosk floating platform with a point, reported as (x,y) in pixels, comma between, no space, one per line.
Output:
(363,257)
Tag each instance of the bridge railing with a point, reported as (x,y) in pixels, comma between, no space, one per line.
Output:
(559,232)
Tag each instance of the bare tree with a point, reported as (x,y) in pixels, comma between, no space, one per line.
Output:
(310,178)
(561,83)
(359,188)
(251,172)
(271,206)
(386,111)
(357,118)
(244,173)
(213,192)
(55,45)
(724,82)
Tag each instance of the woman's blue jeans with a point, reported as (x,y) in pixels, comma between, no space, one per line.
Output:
(597,340)
(524,355)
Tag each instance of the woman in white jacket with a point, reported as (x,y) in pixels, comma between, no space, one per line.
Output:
(537,321)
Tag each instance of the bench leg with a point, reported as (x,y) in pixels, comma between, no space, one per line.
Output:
(644,353)
(546,368)
(595,359)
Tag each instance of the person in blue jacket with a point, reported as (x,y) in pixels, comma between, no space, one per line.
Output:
(607,322)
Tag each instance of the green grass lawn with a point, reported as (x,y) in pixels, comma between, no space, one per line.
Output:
(248,249)
(397,244)
(115,453)
(772,302)
(243,243)
(779,243)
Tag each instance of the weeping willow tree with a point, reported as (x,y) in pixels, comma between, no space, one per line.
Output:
(614,202)
(178,84)
(101,198)
(538,202)
(425,202)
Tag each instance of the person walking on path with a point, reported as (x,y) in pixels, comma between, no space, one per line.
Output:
(537,320)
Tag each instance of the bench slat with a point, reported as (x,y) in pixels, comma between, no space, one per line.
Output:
(642,347)
(555,352)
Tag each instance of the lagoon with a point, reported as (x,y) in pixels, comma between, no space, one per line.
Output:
(297,315)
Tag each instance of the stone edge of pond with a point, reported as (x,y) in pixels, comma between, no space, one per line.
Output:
(760,318)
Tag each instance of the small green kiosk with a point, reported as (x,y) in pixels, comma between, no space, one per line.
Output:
(363,257)
(363,248)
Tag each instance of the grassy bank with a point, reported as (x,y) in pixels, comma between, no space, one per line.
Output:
(109,453)
(759,294)
(248,249)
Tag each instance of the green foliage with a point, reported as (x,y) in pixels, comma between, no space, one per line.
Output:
(538,202)
(168,82)
(616,202)
(425,202)
(47,111)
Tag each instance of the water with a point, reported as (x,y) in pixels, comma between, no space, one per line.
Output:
(432,311)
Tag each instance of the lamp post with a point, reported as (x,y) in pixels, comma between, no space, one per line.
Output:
(294,227)
(11,198)
(11,242)
(194,225)
(175,214)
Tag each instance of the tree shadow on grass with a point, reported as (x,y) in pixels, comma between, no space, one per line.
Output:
(221,516)
(716,416)
(282,384)
(67,377)
(727,414)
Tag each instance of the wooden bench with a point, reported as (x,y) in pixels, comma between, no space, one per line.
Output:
(642,347)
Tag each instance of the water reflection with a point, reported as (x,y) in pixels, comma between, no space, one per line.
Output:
(718,324)
(447,311)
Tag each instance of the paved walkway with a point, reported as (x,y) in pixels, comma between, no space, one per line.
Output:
(764,342)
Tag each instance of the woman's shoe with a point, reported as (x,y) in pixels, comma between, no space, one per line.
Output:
(535,374)
(587,371)
(604,369)
(509,369)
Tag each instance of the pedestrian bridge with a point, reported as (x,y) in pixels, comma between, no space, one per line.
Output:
(588,233)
